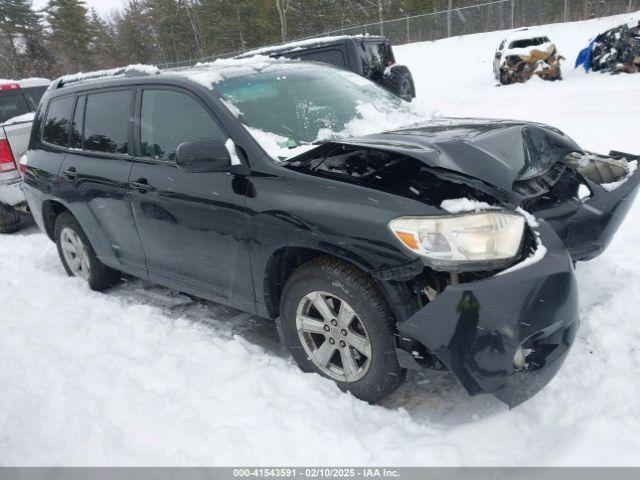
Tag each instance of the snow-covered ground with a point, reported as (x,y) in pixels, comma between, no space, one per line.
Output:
(144,376)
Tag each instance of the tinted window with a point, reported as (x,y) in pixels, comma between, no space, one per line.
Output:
(106,121)
(529,42)
(56,125)
(169,118)
(12,104)
(332,57)
(33,95)
(372,61)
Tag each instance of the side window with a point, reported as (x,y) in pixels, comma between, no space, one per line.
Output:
(56,124)
(169,118)
(106,121)
(332,57)
(33,95)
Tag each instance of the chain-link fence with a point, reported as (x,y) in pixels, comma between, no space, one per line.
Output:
(489,16)
(485,16)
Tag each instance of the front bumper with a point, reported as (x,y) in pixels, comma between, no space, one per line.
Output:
(476,328)
(587,227)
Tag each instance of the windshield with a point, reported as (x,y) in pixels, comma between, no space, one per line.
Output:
(288,108)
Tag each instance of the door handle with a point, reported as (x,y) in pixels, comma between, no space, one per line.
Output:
(142,185)
(70,173)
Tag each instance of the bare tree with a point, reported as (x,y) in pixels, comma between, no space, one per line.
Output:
(193,20)
(283,6)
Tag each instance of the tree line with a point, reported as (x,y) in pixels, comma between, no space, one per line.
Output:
(66,36)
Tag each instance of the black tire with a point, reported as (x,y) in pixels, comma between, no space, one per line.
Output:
(399,81)
(10,219)
(384,374)
(100,276)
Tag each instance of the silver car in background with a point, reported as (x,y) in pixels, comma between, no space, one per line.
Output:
(18,102)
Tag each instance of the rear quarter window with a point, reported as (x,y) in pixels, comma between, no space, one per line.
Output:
(106,121)
(58,118)
(332,57)
(12,104)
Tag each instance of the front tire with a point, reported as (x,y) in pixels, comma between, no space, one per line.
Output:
(336,323)
(78,257)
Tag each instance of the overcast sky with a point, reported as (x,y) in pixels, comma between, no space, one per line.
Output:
(102,6)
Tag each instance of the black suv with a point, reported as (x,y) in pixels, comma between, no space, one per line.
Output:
(367,55)
(443,243)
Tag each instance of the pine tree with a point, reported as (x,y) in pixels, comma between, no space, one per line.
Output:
(135,38)
(21,38)
(71,34)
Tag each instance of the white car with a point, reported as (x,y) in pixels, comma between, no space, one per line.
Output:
(18,102)
(524,54)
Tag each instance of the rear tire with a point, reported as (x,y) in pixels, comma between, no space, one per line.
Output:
(358,348)
(399,81)
(78,257)
(10,219)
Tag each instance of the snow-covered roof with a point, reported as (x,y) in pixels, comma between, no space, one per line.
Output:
(27,82)
(300,44)
(206,74)
(210,73)
(130,70)
(525,34)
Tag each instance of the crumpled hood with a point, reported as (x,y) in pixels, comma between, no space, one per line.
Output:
(497,152)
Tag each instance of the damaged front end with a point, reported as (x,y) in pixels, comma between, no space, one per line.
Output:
(505,324)
(519,65)
(588,201)
(507,334)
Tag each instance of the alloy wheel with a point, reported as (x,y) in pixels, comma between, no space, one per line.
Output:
(75,253)
(333,336)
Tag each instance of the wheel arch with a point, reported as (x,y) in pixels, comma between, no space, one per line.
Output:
(286,260)
(51,209)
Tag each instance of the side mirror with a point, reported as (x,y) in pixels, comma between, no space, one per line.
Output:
(202,156)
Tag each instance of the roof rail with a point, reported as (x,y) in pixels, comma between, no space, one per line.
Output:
(138,70)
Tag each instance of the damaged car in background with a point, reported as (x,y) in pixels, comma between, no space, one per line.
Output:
(379,238)
(523,55)
(615,51)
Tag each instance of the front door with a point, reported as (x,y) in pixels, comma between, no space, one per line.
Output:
(192,225)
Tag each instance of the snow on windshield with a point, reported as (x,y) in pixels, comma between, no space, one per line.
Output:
(290,107)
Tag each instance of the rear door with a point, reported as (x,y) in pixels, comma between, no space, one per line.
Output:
(95,174)
(192,225)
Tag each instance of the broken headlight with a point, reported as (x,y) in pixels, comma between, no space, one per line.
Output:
(455,243)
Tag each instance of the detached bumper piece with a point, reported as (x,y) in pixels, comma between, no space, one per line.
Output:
(587,222)
(508,334)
